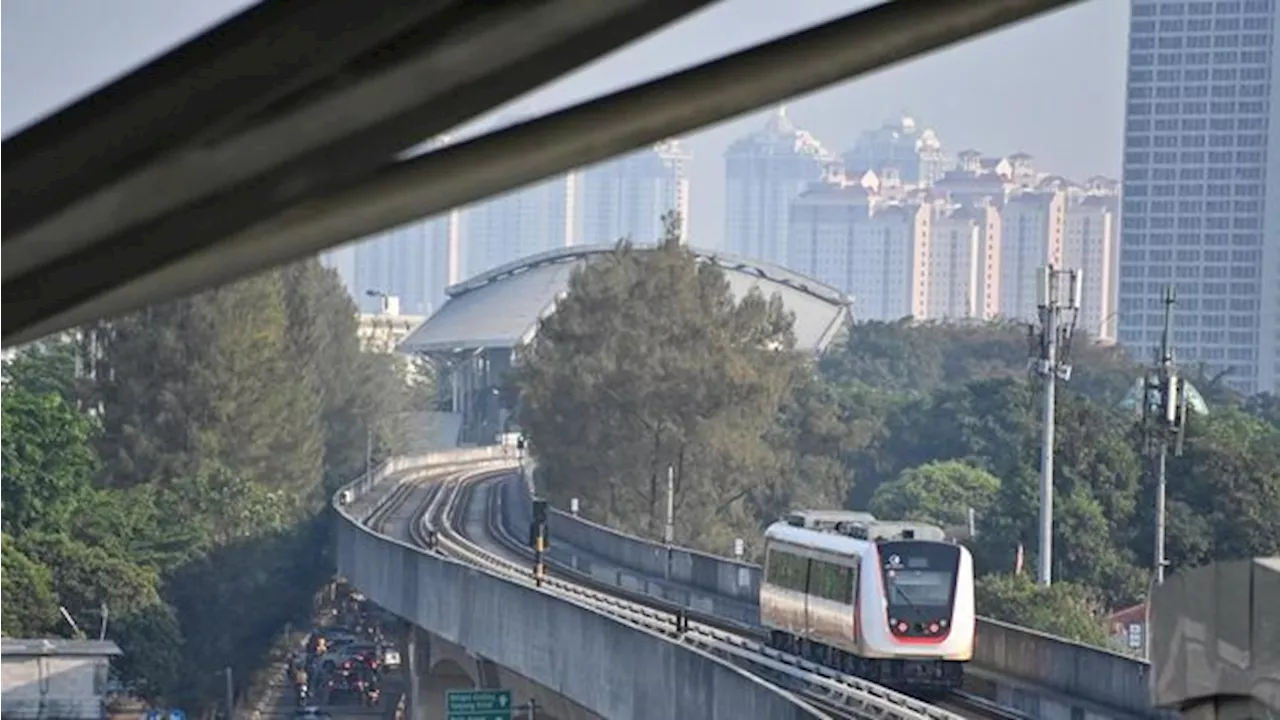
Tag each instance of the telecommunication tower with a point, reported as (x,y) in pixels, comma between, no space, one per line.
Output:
(1059,305)
(1167,400)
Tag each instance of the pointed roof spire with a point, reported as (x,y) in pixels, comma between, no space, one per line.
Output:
(780,123)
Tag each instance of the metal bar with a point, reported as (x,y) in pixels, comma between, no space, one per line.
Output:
(341,132)
(574,137)
(76,275)
(225,73)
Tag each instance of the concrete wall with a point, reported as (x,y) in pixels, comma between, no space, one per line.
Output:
(610,668)
(729,589)
(65,687)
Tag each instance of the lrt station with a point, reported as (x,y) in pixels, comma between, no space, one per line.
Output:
(472,338)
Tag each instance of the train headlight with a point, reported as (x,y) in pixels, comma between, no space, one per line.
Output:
(943,623)
(933,628)
(902,627)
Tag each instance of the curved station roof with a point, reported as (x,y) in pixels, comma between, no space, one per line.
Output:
(501,308)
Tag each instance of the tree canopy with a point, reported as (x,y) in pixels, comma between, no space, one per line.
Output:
(649,361)
(171,467)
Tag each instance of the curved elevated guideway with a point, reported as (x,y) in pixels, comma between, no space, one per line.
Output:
(405,535)
(486,619)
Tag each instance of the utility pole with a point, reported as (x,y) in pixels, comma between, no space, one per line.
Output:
(1051,348)
(231,693)
(669,532)
(1165,404)
(368,450)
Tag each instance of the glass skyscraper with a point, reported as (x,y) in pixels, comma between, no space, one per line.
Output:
(1201,178)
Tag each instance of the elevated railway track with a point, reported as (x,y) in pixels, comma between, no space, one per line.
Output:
(458,514)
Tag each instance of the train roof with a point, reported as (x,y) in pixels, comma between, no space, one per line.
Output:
(864,525)
(816,539)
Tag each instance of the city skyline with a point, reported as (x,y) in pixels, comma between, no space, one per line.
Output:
(935,215)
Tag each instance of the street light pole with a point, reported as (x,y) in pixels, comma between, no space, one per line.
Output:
(1057,325)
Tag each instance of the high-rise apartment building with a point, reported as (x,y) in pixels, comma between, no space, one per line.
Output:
(1089,244)
(916,153)
(764,172)
(1031,237)
(626,197)
(955,274)
(1201,208)
(876,250)
(966,247)
(523,222)
(413,262)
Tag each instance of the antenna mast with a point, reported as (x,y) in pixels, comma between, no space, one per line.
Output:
(1164,411)
(1051,349)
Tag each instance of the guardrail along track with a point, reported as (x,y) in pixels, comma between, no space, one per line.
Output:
(441,526)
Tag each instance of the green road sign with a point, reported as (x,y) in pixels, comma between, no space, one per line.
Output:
(479,704)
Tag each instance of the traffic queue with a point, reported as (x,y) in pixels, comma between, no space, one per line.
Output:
(343,664)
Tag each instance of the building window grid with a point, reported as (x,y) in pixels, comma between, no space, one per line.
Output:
(1145,35)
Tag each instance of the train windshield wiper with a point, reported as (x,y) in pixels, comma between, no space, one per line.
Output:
(903,594)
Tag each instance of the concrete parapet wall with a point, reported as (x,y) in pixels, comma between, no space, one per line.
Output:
(1073,669)
(613,669)
(730,589)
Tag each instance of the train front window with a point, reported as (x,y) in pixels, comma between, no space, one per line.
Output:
(927,588)
(919,575)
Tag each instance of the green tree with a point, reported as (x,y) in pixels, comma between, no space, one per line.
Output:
(29,606)
(48,460)
(1226,491)
(649,363)
(937,492)
(228,417)
(916,358)
(44,367)
(1064,609)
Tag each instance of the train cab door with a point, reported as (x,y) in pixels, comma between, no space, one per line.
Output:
(855,574)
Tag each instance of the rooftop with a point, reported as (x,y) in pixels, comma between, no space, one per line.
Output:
(501,308)
(58,646)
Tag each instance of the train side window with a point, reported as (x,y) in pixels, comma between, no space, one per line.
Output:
(844,586)
(773,566)
(787,570)
(817,574)
(829,581)
(800,573)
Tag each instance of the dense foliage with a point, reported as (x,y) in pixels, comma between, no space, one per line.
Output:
(649,362)
(614,399)
(169,469)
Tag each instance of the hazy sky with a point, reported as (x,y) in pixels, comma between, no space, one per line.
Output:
(1053,87)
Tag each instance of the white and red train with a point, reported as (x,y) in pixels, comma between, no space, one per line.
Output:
(889,602)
